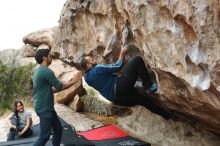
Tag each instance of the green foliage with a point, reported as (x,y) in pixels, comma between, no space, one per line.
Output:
(15,82)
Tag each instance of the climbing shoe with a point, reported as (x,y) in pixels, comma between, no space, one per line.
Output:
(153,88)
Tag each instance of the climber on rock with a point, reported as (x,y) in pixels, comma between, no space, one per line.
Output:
(120,89)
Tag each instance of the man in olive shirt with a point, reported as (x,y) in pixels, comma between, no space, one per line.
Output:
(45,84)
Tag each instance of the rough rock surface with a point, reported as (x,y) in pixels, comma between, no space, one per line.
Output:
(45,36)
(79,121)
(180,38)
(160,132)
(43,46)
(76,104)
(62,70)
(66,96)
(65,73)
(191,103)
(28,51)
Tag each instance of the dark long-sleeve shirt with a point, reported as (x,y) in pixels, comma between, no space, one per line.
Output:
(102,78)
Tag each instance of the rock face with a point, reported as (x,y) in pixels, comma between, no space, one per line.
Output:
(45,36)
(79,121)
(180,39)
(191,103)
(28,51)
(66,96)
(76,104)
(65,73)
(160,132)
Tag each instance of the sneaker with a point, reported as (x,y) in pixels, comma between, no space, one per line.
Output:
(153,88)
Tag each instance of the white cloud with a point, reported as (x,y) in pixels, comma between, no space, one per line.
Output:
(20,17)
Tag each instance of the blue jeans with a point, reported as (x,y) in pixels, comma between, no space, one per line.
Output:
(48,121)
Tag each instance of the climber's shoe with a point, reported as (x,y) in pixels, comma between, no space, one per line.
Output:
(152,89)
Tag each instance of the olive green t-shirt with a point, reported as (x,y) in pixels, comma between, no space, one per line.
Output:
(43,80)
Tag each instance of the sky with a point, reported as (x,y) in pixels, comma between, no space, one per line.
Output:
(21,17)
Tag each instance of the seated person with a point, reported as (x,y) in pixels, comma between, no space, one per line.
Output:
(120,89)
(19,122)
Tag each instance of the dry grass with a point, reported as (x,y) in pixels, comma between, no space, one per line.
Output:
(106,120)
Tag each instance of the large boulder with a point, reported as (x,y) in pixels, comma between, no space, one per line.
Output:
(180,39)
(66,96)
(160,132)
(76,104)
(43,46)
(197,106)
(65,73)
(28,51)
(78,120)
(45,36)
